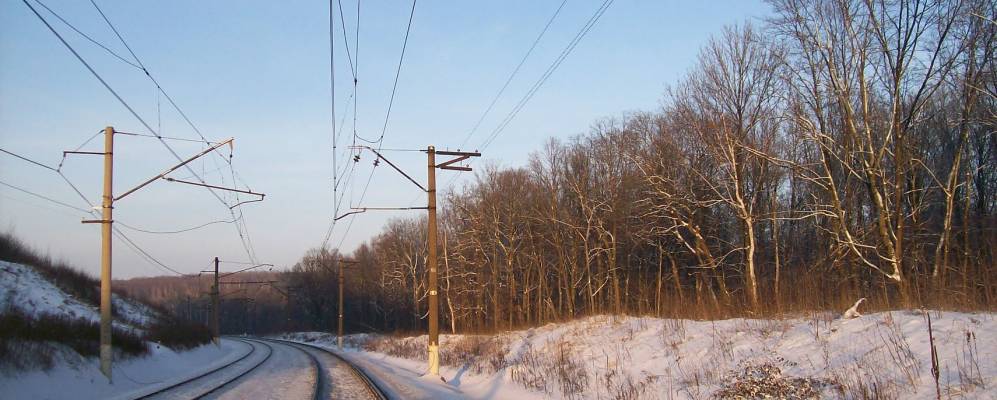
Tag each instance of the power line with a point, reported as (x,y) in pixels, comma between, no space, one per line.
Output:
(164,137)
(118,34)
(237,262)
(87,37)
(145,254)
(44,197)
(182,230)
(169,98)
(131,244)
(149,75)
(513,74)
(64,154)
(550,71)
(398,71)
(134,113)
(332,96)
(30,160)
(539,83)
(37,204)
(332,224)
(354,65)
(53,169)
(380,139)
(342,22)
(156,83)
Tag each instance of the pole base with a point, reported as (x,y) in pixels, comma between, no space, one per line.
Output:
(434,359)
(105,361)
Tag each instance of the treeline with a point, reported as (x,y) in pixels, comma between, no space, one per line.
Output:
(841,149)
(249,301)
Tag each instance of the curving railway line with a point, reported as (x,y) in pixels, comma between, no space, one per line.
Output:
(275,369)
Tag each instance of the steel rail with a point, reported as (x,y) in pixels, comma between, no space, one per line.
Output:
(243,373)
(372,387)
(319,375)
(252,351)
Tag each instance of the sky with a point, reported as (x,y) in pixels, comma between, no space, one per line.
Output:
(259,71)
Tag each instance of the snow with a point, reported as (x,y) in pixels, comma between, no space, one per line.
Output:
(287,374)
(608,357)
(338,380)
(24,288)
(80,378)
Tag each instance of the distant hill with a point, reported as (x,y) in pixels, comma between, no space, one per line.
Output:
(167,290)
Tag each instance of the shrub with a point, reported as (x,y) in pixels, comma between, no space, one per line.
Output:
(178,334)
(73,281)
(481,354)
(26,340)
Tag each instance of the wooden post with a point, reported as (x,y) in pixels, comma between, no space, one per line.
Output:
(432,262)
(434,306)
(214,308)
(107,207)
(339,338)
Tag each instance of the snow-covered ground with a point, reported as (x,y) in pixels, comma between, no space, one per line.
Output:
(72,376)
(22,287)
(881,355)
(80,378)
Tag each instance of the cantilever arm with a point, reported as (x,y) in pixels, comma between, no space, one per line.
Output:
(214,187)
(174,168)
(394,166)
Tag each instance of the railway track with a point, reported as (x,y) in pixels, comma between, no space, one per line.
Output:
(371,387)
(215,386)
(213,382)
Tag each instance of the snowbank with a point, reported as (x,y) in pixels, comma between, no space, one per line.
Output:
(884,355)
(22,287)
(80,378)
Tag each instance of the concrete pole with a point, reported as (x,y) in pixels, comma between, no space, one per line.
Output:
(214,308)
(339,338)
(107,218)
(434,318)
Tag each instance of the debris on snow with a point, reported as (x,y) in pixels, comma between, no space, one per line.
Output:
(854,311)
(765,381)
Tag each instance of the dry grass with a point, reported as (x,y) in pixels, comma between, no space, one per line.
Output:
(74,282)
(178,334)
(28,342)
(898,347)
(550,368)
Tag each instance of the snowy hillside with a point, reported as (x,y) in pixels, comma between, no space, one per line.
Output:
(23,288)
(882,355)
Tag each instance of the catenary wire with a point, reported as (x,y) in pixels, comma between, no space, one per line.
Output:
(398,71)
(85,36)
(539,83)
(513,74)
(134,113)
(170,232)
(131,244)
(43,197)
(550,71)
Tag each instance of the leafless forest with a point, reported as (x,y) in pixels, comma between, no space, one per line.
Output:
(842,149)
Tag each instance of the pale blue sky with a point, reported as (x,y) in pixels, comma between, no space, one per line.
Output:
(259,71)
